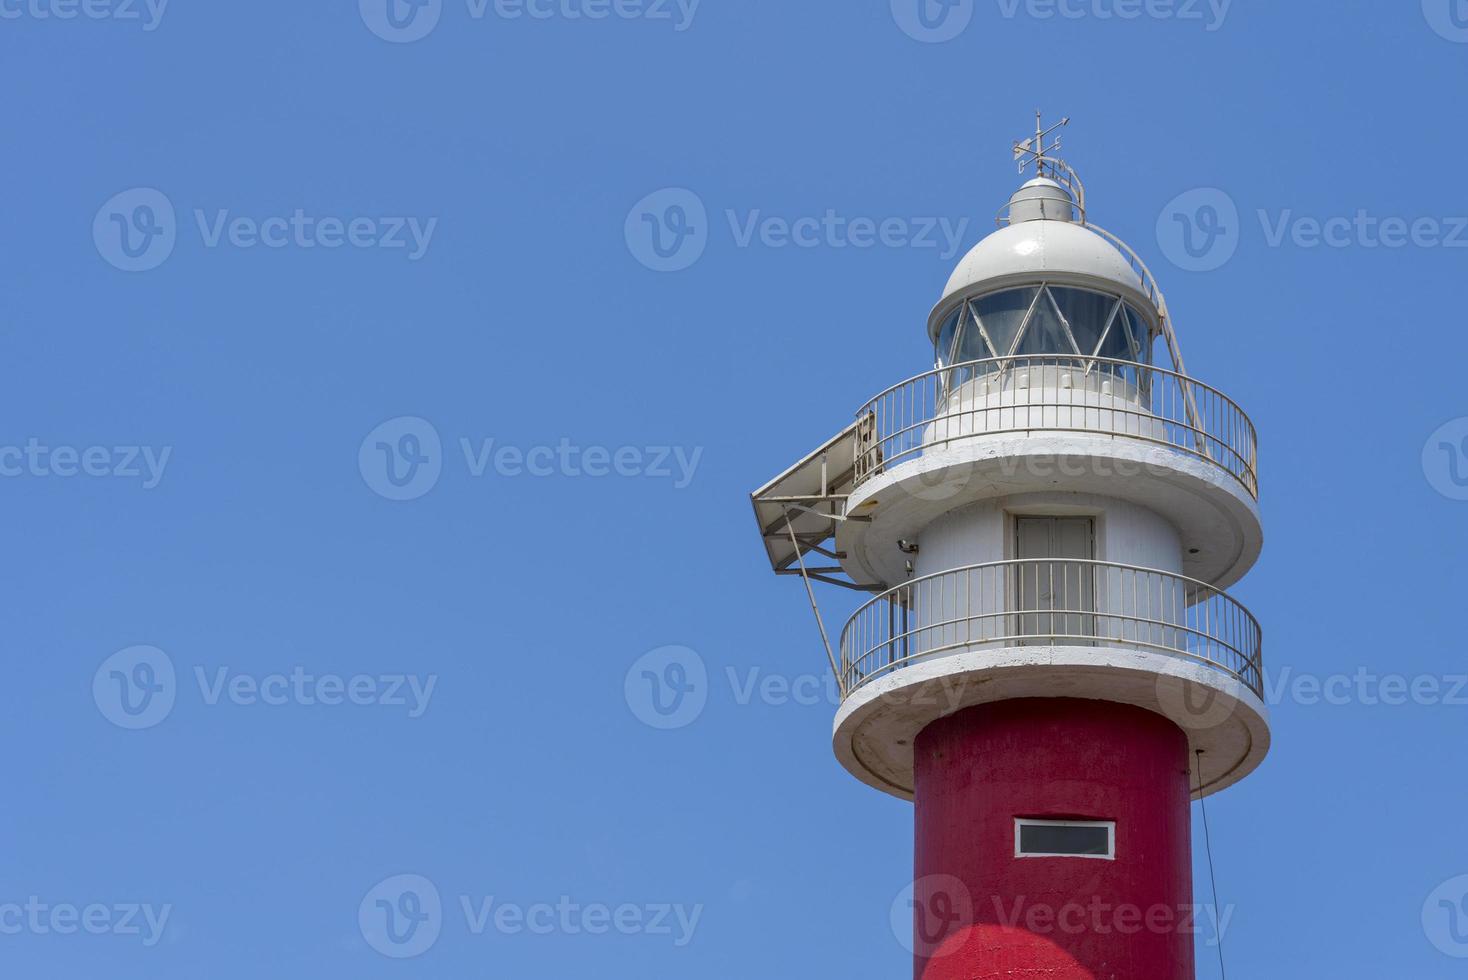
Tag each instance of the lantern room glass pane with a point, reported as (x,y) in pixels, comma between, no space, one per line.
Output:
(1010,327)
(1141,350)
(1003,313)
(1086,312)
(1117,344)
(971,346)
(943,352)
(1045,334)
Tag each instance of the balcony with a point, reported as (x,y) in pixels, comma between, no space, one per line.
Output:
(1071,603)
(1118,399)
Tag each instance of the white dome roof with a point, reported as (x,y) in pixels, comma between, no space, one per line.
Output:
(1034,250)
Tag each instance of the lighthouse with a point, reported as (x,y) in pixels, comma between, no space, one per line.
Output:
(1040,531)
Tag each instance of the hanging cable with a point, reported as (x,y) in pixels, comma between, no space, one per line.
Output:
(1212,878)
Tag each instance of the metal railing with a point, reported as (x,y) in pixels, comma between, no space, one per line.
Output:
(1040,602)
(1055,392)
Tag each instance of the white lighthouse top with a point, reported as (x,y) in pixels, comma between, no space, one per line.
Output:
(1047,513)
(1033,250)
(1042,243)
(1048,241)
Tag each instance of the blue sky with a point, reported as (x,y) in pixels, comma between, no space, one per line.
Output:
(248,245)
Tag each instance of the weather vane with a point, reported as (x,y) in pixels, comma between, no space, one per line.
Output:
(1033,150)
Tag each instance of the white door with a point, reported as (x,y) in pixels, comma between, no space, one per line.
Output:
(1055,587)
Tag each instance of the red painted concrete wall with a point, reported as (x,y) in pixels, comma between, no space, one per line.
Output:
(981,913)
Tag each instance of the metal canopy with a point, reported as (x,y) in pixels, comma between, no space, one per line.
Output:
(798,510)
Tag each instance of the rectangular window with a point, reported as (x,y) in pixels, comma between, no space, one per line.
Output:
(1065,838)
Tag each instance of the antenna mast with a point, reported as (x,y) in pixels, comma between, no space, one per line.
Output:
(1047,164)
(1034,150)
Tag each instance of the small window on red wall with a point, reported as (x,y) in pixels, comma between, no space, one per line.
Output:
(1065,838)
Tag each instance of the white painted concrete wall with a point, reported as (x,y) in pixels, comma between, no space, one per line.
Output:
(1043,397)
(972,608)
(1127,533)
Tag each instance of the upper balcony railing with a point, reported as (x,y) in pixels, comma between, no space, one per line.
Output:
(1067,602)
(1054,393)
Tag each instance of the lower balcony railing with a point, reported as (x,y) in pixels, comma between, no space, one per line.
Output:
(1066,602)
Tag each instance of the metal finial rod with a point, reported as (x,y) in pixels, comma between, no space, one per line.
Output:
(1034,149)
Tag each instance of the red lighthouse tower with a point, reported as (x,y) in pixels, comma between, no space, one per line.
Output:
(1049,667)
